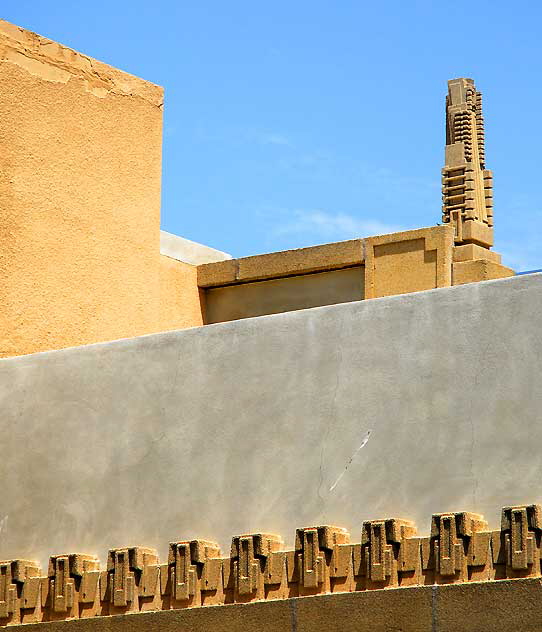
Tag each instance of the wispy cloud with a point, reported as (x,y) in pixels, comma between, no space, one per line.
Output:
(272,138)
(330,226)
(239,136)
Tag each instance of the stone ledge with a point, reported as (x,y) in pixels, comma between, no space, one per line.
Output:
(471,252)
(479,270)
(333,256)
(189,251)
(506,606)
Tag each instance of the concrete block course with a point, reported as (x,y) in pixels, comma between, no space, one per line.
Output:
(506,606)
(460,549)
(257,425)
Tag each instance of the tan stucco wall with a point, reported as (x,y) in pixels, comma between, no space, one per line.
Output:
(181,300)
(80,163)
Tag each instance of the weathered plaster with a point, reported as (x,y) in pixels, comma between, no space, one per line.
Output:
(51,61)
(246,426)
(80,198)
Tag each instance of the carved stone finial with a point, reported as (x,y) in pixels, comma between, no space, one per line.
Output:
(467,186)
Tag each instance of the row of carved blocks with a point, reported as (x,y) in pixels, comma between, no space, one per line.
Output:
(460,548)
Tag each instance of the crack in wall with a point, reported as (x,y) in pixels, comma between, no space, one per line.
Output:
(363,444)
(333,406)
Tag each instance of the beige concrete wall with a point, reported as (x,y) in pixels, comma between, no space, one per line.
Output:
(411,261)
(479,270)
(245,300)
(397,263)
(80,163)
(385,265)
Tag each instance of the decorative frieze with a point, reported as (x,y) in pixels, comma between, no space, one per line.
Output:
(460,548)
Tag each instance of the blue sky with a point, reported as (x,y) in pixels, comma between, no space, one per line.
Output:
(294,123)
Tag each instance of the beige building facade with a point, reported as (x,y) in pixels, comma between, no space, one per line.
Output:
(80,255)
(151,475)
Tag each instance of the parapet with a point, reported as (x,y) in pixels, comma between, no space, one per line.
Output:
(353,270)
(460,548)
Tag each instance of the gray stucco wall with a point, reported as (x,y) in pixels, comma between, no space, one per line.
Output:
(248,425)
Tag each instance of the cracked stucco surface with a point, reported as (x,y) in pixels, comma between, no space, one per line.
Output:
(246,426)
(51,61)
